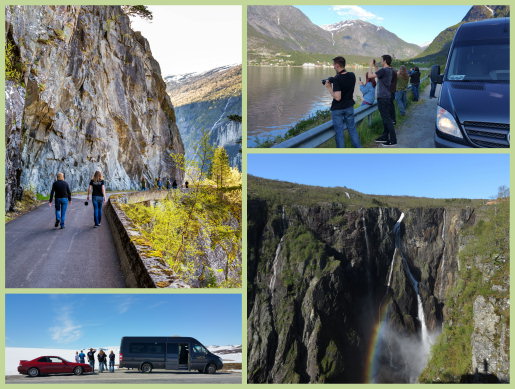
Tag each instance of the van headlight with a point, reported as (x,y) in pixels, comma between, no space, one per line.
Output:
(445,123)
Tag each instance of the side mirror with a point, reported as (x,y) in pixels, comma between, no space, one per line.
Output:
(440,79)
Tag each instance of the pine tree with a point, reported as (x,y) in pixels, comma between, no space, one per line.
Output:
(220,168)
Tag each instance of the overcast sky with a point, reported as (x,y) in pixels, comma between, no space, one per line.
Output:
(193,38)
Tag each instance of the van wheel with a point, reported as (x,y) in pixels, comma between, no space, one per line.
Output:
(77,370)
(33,372)
(200,371)
(211,368)
(146,367)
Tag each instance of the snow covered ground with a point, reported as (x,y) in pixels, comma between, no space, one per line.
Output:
(13,355)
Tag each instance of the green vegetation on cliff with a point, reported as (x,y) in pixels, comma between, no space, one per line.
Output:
(484,271)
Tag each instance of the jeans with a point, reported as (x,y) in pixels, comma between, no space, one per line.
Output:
(92,364)
(384,106)
(345,118)
(392,107)
(433,89)
(97,208)
(60,210)
(400,97)
(414,90)
(111,366)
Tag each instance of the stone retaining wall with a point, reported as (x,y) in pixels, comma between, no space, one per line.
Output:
(139,267)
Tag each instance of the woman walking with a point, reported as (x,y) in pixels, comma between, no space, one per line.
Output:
(98,191)
(402,85)
(63,197)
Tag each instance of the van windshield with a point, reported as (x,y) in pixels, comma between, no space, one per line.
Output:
(480,61)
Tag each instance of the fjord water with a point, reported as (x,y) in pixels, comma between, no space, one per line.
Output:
(279,97)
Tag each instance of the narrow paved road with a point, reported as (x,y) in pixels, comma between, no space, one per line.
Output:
(131,377)
(37,255)
(419,128)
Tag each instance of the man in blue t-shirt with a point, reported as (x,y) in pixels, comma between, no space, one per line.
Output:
(384,80)
(341,88)
(82,357)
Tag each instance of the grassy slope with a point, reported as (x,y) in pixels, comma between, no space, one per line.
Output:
(296,194)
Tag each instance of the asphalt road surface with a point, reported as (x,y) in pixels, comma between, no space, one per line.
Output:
(37,255)
(419,128)
(131,377)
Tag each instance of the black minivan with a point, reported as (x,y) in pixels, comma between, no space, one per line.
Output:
(146,353)
(474,104)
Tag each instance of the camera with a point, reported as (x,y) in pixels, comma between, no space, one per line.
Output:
(330,79)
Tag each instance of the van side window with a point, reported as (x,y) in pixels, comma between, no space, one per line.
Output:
(197,348)
(147,348)
(172,348)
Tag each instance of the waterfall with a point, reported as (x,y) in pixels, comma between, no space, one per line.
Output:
(273,279)
(396,230)
(442,271)
(426,341)
(366,233)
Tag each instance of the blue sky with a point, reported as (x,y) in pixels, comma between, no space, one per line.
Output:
(415,24)
(100,320)
(426,175)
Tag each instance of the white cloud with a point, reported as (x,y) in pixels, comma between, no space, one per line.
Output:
(355,12)
(123,303)
(67,330)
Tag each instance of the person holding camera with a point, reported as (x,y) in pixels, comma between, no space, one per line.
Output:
(341,88)
(384,80)
(368,89)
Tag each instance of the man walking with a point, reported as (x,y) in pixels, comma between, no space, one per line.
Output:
(341,88)
(63,197)
(384,79)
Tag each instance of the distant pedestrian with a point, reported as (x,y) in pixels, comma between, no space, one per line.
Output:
(384,80)
(402,85)
(82,357)
(435,71)
(393,89)
(77,358)
(159,183)
(91,358)
(368,89)
(341,89)
(63,197)
(186,185)
(168,184)
(174,184)
(112,356)
(102,361)
(143,183)
(414,80)
(98,196)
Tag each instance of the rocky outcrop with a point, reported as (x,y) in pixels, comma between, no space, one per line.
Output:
(317,280)
(92,97)
(204,102)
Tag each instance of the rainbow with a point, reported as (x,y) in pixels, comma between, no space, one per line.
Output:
(373,348)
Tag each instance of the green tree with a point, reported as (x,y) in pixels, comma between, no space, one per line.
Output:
(220,168)
(138,10)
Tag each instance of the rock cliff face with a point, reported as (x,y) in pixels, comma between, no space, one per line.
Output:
(319,308)
(204,102)
(91,97)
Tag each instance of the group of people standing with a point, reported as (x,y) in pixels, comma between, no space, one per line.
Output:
(161,184)
(391,86)
(63,197)
(102,359)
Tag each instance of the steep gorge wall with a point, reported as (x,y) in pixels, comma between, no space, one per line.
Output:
(317,280)
(91,97)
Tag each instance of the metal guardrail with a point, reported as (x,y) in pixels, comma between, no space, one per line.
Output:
(322,133)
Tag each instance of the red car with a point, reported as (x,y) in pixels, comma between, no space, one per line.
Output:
(51,365)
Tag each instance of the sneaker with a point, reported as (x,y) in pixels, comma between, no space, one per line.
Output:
(394,122)
(95,226)
(389,143)
(381,139)
(62,227)
(56,224)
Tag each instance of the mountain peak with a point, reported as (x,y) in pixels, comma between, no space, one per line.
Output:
(348,24)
